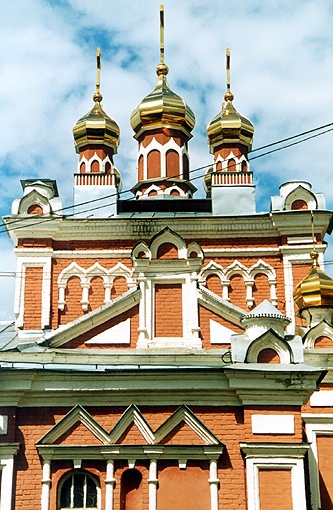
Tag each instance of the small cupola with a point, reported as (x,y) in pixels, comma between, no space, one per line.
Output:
(96,128)
(229,182)
(96,137)
(162,125)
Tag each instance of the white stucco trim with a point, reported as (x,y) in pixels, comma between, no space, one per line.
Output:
(7,453)
(316,425)
(22,264)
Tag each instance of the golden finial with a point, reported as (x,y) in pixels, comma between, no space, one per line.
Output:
(228,96)
(162,68)
(97,97)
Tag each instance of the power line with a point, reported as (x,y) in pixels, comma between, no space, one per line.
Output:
(112,195)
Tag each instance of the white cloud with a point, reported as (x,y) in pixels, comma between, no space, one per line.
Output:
(281,76)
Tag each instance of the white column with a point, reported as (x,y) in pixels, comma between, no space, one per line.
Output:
(109,482)
(85,295)
(214,485)
(249,293)
(272,285)
(143,313)
(46,483)
(152,484)
(107,292)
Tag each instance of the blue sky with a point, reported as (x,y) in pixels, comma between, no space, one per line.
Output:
(281,75)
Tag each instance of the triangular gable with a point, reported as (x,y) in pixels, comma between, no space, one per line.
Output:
(93,319)
(132,416)
(220,306)
(184,414)
(78,415)
(78,434)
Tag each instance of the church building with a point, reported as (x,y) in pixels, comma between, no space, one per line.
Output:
(168,351)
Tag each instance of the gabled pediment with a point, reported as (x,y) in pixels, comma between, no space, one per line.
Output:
(132,418)
(185,415)
(77,416)
(92,320)
(130,424)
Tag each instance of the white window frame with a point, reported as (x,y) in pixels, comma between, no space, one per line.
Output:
(260,456)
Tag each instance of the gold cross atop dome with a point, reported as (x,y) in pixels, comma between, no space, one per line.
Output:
(98,96)
(228,96)
(162,68)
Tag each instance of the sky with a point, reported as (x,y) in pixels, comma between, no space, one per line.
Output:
(281,76)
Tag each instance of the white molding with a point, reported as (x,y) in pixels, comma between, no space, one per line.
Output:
(22,264)
(316,425)
(7,453)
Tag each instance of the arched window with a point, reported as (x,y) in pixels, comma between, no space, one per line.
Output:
(78,490)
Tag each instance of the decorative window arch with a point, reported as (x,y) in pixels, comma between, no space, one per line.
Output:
(141,251)
(266,342)
(323,329)
(215,269)
(34,198)
(86,275)
(261,267)
(79,490)
(172,189)
(194,250)
(300,193)
(168,236)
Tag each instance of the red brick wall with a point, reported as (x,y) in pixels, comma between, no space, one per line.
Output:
(33,298)
(96,292)
(275,489)
(168,310)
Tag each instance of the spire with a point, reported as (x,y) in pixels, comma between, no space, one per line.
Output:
(162,118)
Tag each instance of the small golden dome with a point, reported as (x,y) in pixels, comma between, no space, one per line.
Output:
(96,127)
(316,289)
(162,108)
(229,126)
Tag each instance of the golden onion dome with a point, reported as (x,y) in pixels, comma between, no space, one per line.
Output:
(162,108)
(230,126)
(96,127)
(316,289)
